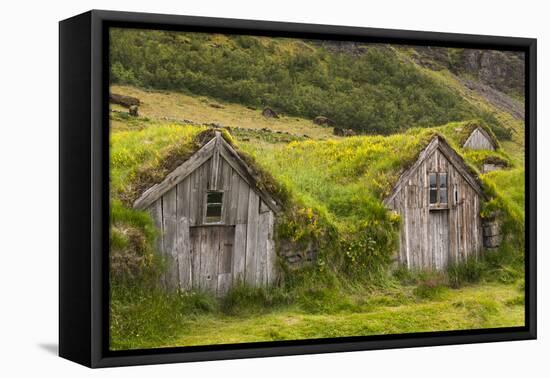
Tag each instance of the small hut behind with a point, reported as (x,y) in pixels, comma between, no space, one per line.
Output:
(479,139)
(439,200)
(216,223)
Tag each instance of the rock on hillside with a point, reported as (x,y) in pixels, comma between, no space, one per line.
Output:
(500,70)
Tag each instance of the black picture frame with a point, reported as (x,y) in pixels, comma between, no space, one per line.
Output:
(84,188)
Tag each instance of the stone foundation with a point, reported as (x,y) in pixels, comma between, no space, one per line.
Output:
(297,256)
(492,235)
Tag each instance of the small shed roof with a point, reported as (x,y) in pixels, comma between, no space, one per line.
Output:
(216,147)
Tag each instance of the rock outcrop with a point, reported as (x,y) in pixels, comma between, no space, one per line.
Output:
(503,71)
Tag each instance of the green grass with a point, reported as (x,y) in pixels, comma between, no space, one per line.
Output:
(172,107)
(335,188)
(141,157)
(510,184)
(370,313)
(373,92)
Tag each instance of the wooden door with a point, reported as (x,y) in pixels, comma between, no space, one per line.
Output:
(212,257)
(438,237)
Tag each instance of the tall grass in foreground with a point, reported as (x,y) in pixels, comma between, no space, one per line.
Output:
(150,317)
(503,266)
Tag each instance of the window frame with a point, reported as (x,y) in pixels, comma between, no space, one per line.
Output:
(205,206)
(438,205)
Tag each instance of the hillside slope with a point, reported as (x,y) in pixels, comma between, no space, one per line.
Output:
(365,87)
(174,107)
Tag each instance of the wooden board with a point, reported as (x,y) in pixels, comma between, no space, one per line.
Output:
(225,281)
(210,250)
(271,254)
(184,255)
(156,213)
(232,195)
(194,198)
(261,249)
(225,260)
(184,198)
(242,209)
(239,253)
(227,240)
(169,213)
(251,239)
(195,252)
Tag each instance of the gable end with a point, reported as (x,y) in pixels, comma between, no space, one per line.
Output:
(439,144)
(479,139)
(217,148)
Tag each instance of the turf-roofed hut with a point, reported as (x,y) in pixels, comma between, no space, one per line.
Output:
(216,220)
(481,139)
(439,199)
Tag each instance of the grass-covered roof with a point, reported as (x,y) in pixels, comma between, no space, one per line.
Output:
(159,150)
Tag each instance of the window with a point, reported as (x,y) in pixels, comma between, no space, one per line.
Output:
(442,188)
(433,188)
(438,188)
(214,203)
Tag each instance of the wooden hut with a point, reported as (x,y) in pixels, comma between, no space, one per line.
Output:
(216,223)
(479,139)
(439,200)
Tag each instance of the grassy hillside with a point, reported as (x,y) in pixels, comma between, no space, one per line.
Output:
(173,107)
(371,90)
(332,187)
(336,187)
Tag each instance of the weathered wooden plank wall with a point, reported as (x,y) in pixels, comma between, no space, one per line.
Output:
(214,257)
(435,238)
(478,141)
